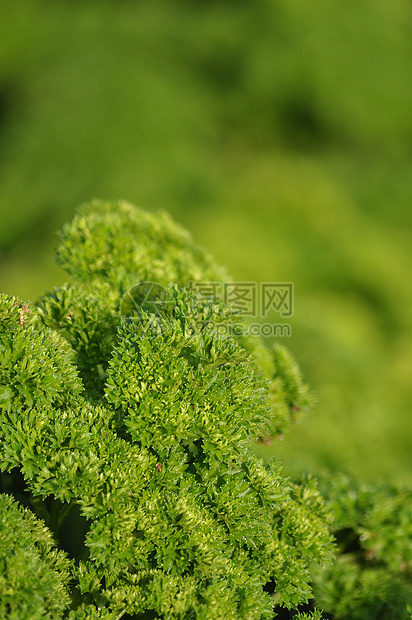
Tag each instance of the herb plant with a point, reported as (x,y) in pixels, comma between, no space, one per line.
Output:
(128,414)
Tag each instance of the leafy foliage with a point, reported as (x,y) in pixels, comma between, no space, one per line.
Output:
(130,436)
(34,576)
(121,244)
(271,131)
(129,483)
(372,577)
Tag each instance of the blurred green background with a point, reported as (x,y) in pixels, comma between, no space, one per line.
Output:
(278,132)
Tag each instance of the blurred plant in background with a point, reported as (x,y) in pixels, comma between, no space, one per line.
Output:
(278,132)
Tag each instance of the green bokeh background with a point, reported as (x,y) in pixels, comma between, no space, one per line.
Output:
(278,132)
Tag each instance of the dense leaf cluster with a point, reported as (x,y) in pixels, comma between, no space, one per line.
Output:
(270,129)
(372,577)
(33,574)
(129,486)
(130,436)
